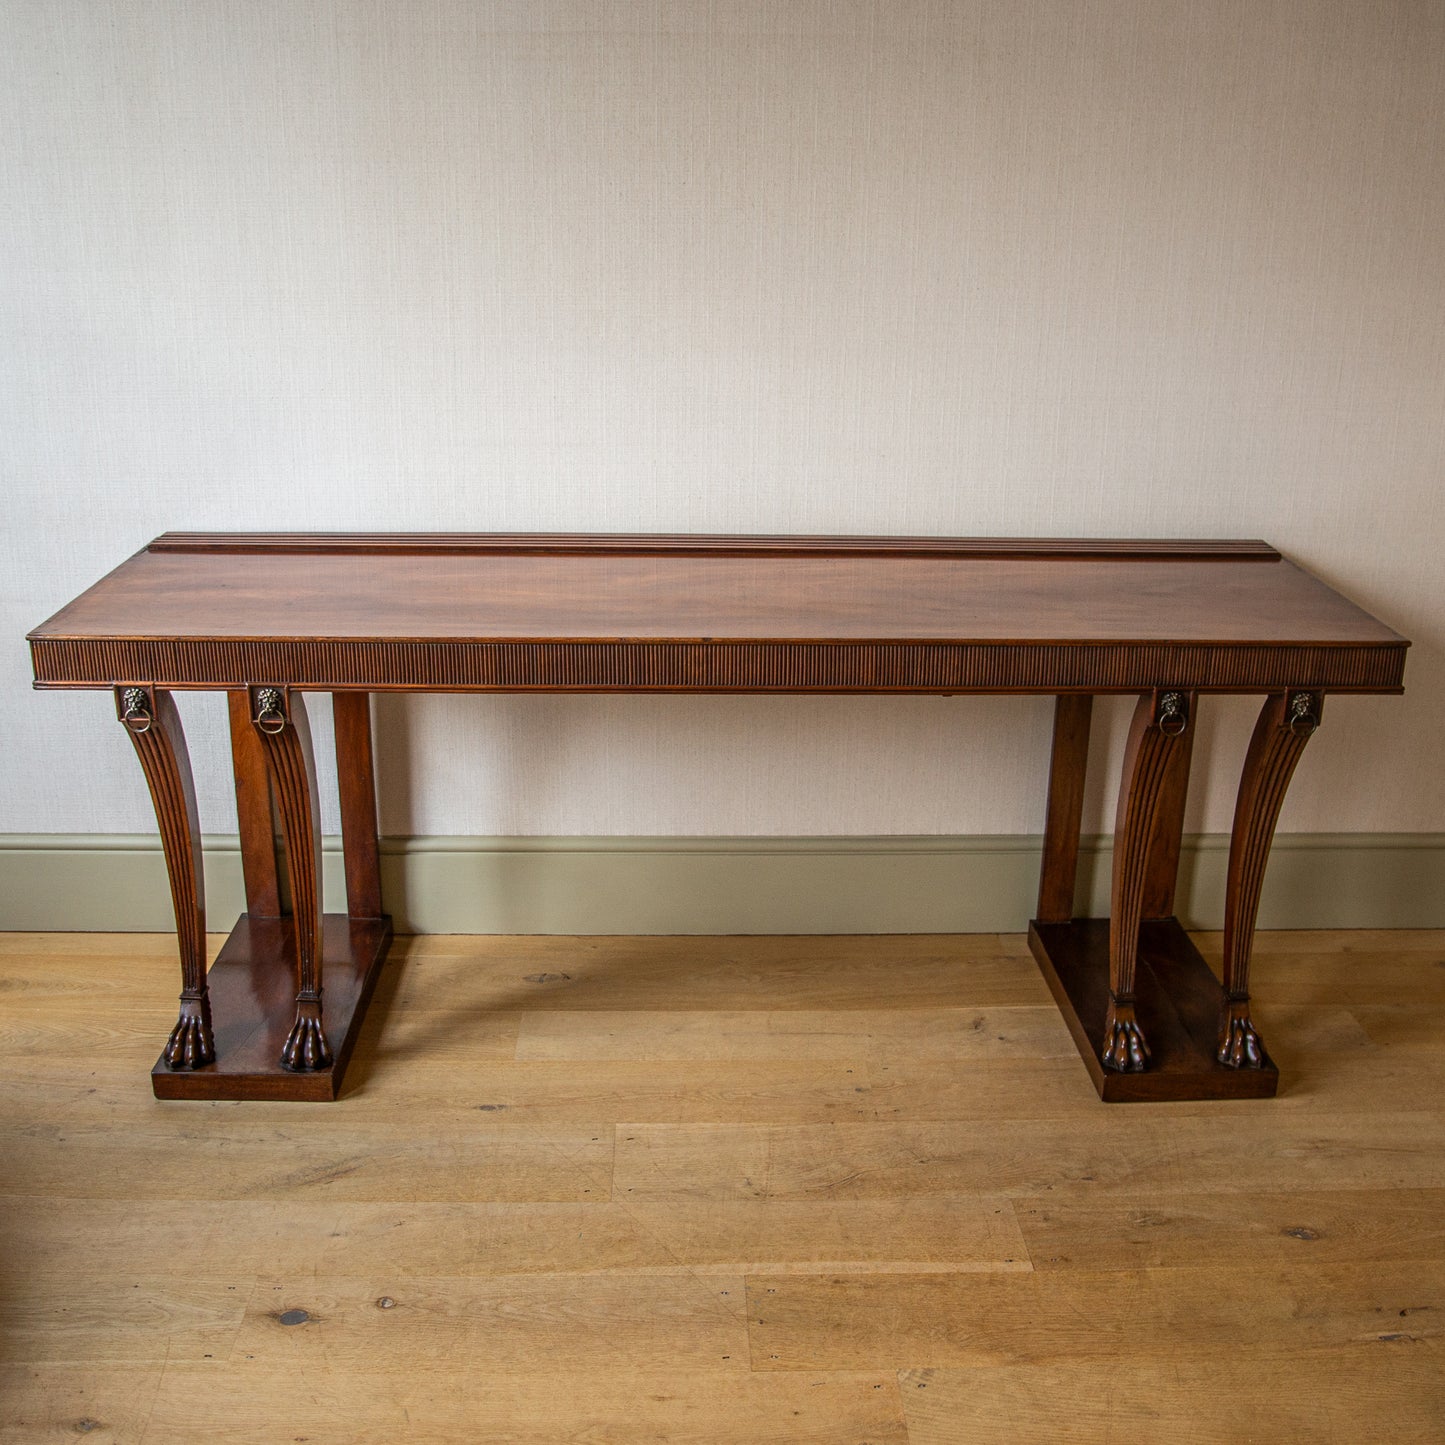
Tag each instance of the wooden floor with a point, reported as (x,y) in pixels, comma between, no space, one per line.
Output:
(725,1190)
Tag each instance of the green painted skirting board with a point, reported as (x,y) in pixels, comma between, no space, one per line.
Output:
(727,885)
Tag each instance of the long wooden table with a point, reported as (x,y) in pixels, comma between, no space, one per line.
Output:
(268,617)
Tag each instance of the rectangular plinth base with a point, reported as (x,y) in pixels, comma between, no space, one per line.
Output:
(1177,1002)
(253,1003)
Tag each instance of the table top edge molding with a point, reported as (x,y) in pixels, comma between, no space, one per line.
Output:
(626,544)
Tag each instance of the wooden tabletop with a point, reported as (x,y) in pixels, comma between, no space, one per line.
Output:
(713,613)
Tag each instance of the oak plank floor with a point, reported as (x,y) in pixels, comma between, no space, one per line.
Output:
(851,1190)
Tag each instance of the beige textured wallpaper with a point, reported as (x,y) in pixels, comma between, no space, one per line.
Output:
(1133,267)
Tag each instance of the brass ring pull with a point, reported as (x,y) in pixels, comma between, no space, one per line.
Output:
(1173,716)
(1303,716)
(136,714)
(270,714)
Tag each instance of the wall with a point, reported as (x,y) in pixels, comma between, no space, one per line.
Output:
(1119,268)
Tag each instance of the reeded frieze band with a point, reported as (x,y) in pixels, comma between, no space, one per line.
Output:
(378,665)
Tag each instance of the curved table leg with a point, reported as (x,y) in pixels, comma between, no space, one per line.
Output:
(1167,842)
(1161,719)
(154,725)
(1286,723)
(253,811)
(279,717)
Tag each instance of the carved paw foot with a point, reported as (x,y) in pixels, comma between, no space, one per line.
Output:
(306,1047)
(191,1045)
(1125,1049)
(1239,1045)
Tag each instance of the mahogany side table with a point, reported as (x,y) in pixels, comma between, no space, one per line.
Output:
(268,617)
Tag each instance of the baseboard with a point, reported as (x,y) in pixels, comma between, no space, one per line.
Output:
(110,883)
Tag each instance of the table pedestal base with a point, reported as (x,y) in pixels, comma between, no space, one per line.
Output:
(253,1002)
(1177,1001)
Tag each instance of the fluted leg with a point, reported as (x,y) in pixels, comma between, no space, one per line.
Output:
(279,717)
(154,725)
(1286,723)
(1167,840)
(1160,722)
(253,811)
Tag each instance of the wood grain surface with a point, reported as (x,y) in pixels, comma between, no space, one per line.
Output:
(624,1190)
(709,614)
(626,597)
